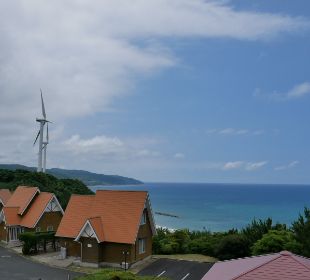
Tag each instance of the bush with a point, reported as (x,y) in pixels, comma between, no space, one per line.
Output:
(275,241)
(62,188)
(232,247)
(32,239)
(301,229)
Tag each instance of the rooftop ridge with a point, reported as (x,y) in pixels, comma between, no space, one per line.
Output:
(277,256)
(298,257)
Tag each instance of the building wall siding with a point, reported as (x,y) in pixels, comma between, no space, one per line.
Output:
(73,247)
(113,252)
(90,250)
(145,231)
(50,219)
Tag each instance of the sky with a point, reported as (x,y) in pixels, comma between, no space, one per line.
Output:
(159,90)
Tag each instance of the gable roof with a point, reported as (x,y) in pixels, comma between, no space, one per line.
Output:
(29,198)
(92,228)
(279,266)
(114,215)
(37,208)
(5,194)
(22,197)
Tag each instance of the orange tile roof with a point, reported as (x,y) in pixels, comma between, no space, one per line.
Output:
(22,197)
(119,213)
(36,210)
(11,216)
(5,194)
(98,227)
(76,214)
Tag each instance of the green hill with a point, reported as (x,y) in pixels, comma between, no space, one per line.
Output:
(62,188)
(88,178)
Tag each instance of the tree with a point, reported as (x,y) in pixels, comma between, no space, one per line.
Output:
(182,238)
(256,230)
(301,229)
(232,247)
(62,188)
(275,241)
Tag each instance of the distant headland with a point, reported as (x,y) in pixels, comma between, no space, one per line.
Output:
(88,178)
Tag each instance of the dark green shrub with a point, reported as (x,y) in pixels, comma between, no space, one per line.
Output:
(232,247)
(32,239)
(301,229)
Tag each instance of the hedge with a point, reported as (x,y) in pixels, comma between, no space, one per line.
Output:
(32,239)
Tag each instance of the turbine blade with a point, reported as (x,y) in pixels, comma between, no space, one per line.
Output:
(43,108)
(36,138)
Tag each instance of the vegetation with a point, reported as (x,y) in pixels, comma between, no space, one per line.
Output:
(113,274)
(32,240)
(88,178)
(259,237)
(62,188)
(274,241)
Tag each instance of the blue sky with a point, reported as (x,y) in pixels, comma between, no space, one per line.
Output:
(196,100)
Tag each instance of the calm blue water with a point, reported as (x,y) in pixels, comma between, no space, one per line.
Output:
(218,207)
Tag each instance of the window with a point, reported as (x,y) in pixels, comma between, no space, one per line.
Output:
(143,219)
(50,228)
(14,232)
(142,245)
(38,229)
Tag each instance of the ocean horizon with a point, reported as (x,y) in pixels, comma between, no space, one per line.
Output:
(221,206)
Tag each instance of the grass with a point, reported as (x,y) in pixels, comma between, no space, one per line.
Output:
(115,274)
(188,257)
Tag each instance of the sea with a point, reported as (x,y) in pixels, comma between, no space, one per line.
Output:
(220,207)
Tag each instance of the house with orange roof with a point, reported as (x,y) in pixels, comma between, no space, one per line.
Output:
(5,195)
(108,228)
(278,266)
(28,209)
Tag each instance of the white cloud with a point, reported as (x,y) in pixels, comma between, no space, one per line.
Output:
(227,131)
(233,165)
(288,166)
(110,148)
(258,132)
(251,166)
(89,55)
(98,145)
(297,92)
(235,131)
(85,55)
(242,165)
(179,156)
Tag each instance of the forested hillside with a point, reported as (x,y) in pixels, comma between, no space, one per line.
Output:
(88,178)
(62,188)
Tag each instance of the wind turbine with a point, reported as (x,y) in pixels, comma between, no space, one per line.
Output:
(42,145)
(44,149)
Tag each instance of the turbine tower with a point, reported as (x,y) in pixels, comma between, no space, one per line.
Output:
(44,149)
(42,145)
